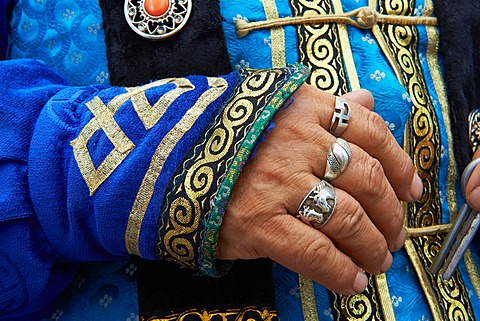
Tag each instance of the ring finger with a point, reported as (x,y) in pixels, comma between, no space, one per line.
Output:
(350,229)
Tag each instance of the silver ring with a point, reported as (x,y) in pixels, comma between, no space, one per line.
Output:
(340,118)
(318,206)
(338,158)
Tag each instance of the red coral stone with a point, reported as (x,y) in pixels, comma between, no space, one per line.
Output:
(156,8)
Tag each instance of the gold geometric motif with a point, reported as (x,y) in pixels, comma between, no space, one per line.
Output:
(149,115)
(104,120)
(245,314)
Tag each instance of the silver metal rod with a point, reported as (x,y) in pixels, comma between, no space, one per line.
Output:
(449,240)
(458,251)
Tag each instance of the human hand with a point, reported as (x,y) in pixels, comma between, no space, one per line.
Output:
(472,189)
(368,218)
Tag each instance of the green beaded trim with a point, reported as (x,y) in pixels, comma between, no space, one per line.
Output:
(207,262)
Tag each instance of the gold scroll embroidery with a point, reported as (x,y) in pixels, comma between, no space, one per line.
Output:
(424,146)
(434,65)
(245,314)
(472,271)
(347,55)
(144,195)
(188,200)
(277,34)
(367,305)
(319,48)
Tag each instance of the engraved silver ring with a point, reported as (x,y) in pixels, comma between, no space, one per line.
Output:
(338,158)
(318,206)
(340,118)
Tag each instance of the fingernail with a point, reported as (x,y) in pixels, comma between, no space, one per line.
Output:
(474,198)
(400,241)
(361,282)
(417,187)
(387,262)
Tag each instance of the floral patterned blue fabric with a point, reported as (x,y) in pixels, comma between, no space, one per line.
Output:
(100,291)
(66,35)
(256,46)
(393,103)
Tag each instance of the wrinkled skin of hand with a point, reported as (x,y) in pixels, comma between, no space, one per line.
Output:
(368,219)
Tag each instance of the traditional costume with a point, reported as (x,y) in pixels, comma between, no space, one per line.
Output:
(101,173)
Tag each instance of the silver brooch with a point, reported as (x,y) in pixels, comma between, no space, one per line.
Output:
(157,19)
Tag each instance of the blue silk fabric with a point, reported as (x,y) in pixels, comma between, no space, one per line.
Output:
(393,103)
(66,35)
(50,221)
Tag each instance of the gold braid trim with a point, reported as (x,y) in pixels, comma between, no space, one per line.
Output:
(277,34)
(427,230)
(307,296)
(364,18)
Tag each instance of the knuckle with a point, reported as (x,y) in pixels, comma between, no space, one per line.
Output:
(313,256)
(377,131)
(375,178)
(351,225)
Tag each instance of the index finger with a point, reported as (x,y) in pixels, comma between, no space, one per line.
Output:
(368,130)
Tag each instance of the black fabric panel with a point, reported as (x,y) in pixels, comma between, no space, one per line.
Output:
(199,48)
(459,23)
(165,289)
(6,7)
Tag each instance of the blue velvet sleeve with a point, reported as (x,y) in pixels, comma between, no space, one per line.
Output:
(98,173)
(80,165)
(26,257)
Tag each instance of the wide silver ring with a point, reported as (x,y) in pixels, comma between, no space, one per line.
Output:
(340,118)
(338,158)
(318,206)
